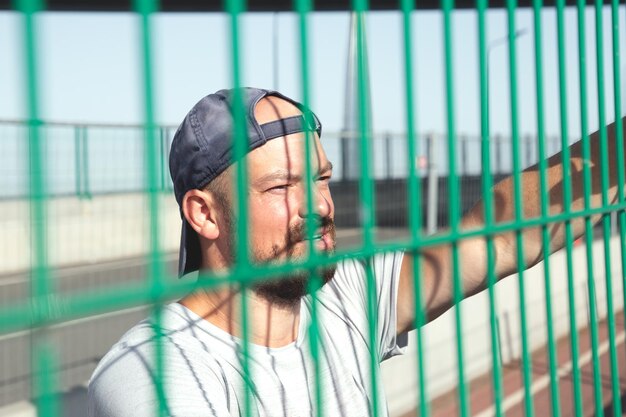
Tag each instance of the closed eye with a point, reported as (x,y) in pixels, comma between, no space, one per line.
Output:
(280,187)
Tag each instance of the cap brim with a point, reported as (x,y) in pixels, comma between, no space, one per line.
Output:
(189,257)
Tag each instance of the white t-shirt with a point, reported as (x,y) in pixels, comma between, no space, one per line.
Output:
(202,371)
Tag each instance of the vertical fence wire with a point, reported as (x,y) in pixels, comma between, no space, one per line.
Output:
(543,191)
(606,219)
(453,200)
(360,8)
(487,194)
(587,189)
(415,205)
(234,8)
(619,145)
(43,356)
(145,9)
(518,204)
(567,199)
(303,8)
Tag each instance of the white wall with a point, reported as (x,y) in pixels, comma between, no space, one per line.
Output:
(103,228)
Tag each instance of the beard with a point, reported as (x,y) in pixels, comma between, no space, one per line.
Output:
(287,290)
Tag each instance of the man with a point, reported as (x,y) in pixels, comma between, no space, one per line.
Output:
(202,333)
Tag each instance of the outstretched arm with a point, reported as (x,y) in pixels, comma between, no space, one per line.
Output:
(436,274)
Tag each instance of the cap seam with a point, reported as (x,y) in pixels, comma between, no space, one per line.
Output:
(252,118)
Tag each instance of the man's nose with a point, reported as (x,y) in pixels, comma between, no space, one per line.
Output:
(322,203)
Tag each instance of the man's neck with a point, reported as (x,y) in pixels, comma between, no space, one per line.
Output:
(269,324)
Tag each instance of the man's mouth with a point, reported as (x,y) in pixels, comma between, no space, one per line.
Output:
(322,238)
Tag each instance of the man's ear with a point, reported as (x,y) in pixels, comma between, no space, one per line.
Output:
(199,209)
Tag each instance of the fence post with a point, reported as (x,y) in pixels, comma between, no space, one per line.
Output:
(388,155)
(77,161)
(433,185)
(498,142)
(343,150)
(527,143)
(86,190)
(463,140)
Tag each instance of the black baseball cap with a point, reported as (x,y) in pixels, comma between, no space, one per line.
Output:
(202,149)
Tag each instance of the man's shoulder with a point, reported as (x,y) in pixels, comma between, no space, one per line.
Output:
(180,330)
(143,335)
(126,376)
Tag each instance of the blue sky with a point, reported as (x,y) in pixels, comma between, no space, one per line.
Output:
(90,69)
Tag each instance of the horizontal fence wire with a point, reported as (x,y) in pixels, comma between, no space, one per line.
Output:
(46,305)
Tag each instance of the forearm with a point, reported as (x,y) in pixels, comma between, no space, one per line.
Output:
(531,201)
(437,264)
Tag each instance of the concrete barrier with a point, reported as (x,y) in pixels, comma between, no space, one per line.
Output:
(86,231)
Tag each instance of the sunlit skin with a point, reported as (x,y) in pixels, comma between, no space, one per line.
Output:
(277,207)
(277,197)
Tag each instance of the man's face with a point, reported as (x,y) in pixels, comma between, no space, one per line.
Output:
(277,204)
(278,200)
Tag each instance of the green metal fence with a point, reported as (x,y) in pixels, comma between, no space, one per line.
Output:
(47,305)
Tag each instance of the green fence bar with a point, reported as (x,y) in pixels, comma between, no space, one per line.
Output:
(234,8)
(46,381)
(619,139)
(567,199)
(145,9)
(415,208)
(367,196)
(453,200)
(543,190)
(517,198)
(40,278)
(606,220)
(41,285)
(486,185)
(593,319)
(303,8)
